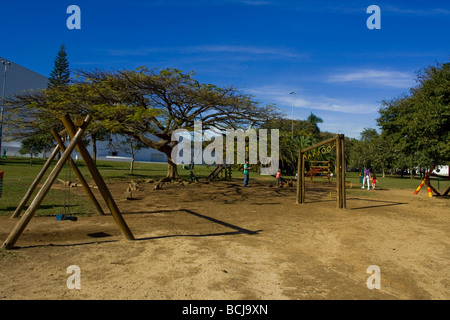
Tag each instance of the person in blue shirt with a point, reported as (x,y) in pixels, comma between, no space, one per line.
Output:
(246,174)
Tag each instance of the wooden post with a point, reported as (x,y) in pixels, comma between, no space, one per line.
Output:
(300,173)
(23,222)
(79,175)
(68,124)
(338,171)
(35,183)
(344,198)
(303,179)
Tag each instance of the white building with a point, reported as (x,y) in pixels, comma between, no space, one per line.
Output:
(20,79)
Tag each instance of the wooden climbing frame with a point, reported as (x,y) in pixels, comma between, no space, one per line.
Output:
(319,168)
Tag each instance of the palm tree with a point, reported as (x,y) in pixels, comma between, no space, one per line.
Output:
(289,148)
(313,119)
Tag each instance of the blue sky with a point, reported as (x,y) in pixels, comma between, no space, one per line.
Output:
(322,50)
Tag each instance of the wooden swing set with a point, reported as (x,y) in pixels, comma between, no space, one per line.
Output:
(75,135)
(340,168)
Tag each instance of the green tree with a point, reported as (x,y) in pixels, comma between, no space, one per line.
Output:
(60,75)
(289,143)
(418,124)
(148,105)
(36,144)
(383,156)
(315,120)
(363,152)
(129,146)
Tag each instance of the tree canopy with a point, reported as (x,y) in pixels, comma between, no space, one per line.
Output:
(146,104)
(419,123)
(414,127)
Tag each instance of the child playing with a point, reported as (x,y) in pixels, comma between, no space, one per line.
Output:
(279,178)
(374,181)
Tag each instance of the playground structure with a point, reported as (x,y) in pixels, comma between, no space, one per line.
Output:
(430,188)
(340,168)
(321,168)
(220,172)
(75,135)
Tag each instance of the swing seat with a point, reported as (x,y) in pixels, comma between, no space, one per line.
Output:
(61,217)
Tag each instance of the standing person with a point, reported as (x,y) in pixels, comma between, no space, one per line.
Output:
(374,181)
(361,178)
(366,178)
(4,154)
(246,173)
(279,178)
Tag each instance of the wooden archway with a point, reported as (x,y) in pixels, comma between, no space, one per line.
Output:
(340,170)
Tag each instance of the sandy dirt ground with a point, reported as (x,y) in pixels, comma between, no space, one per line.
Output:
(220,241)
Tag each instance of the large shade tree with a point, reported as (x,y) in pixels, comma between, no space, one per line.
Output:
(146,104)
(418,123)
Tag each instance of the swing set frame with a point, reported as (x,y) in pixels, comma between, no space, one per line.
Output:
(75,135)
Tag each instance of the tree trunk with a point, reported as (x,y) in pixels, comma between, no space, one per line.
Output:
(132,157)
(94,147)
(132,165)
(172,171)
(165,147)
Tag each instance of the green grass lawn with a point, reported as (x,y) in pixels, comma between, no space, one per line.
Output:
(19,174)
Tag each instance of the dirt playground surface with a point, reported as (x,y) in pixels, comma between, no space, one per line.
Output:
(223,241)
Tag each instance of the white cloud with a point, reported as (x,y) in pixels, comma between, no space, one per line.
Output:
(381,78)
(253,50)
(136,52)
(238,52)
(178,3)
(417,12)
(252,2)
(281,97)
(347,116)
